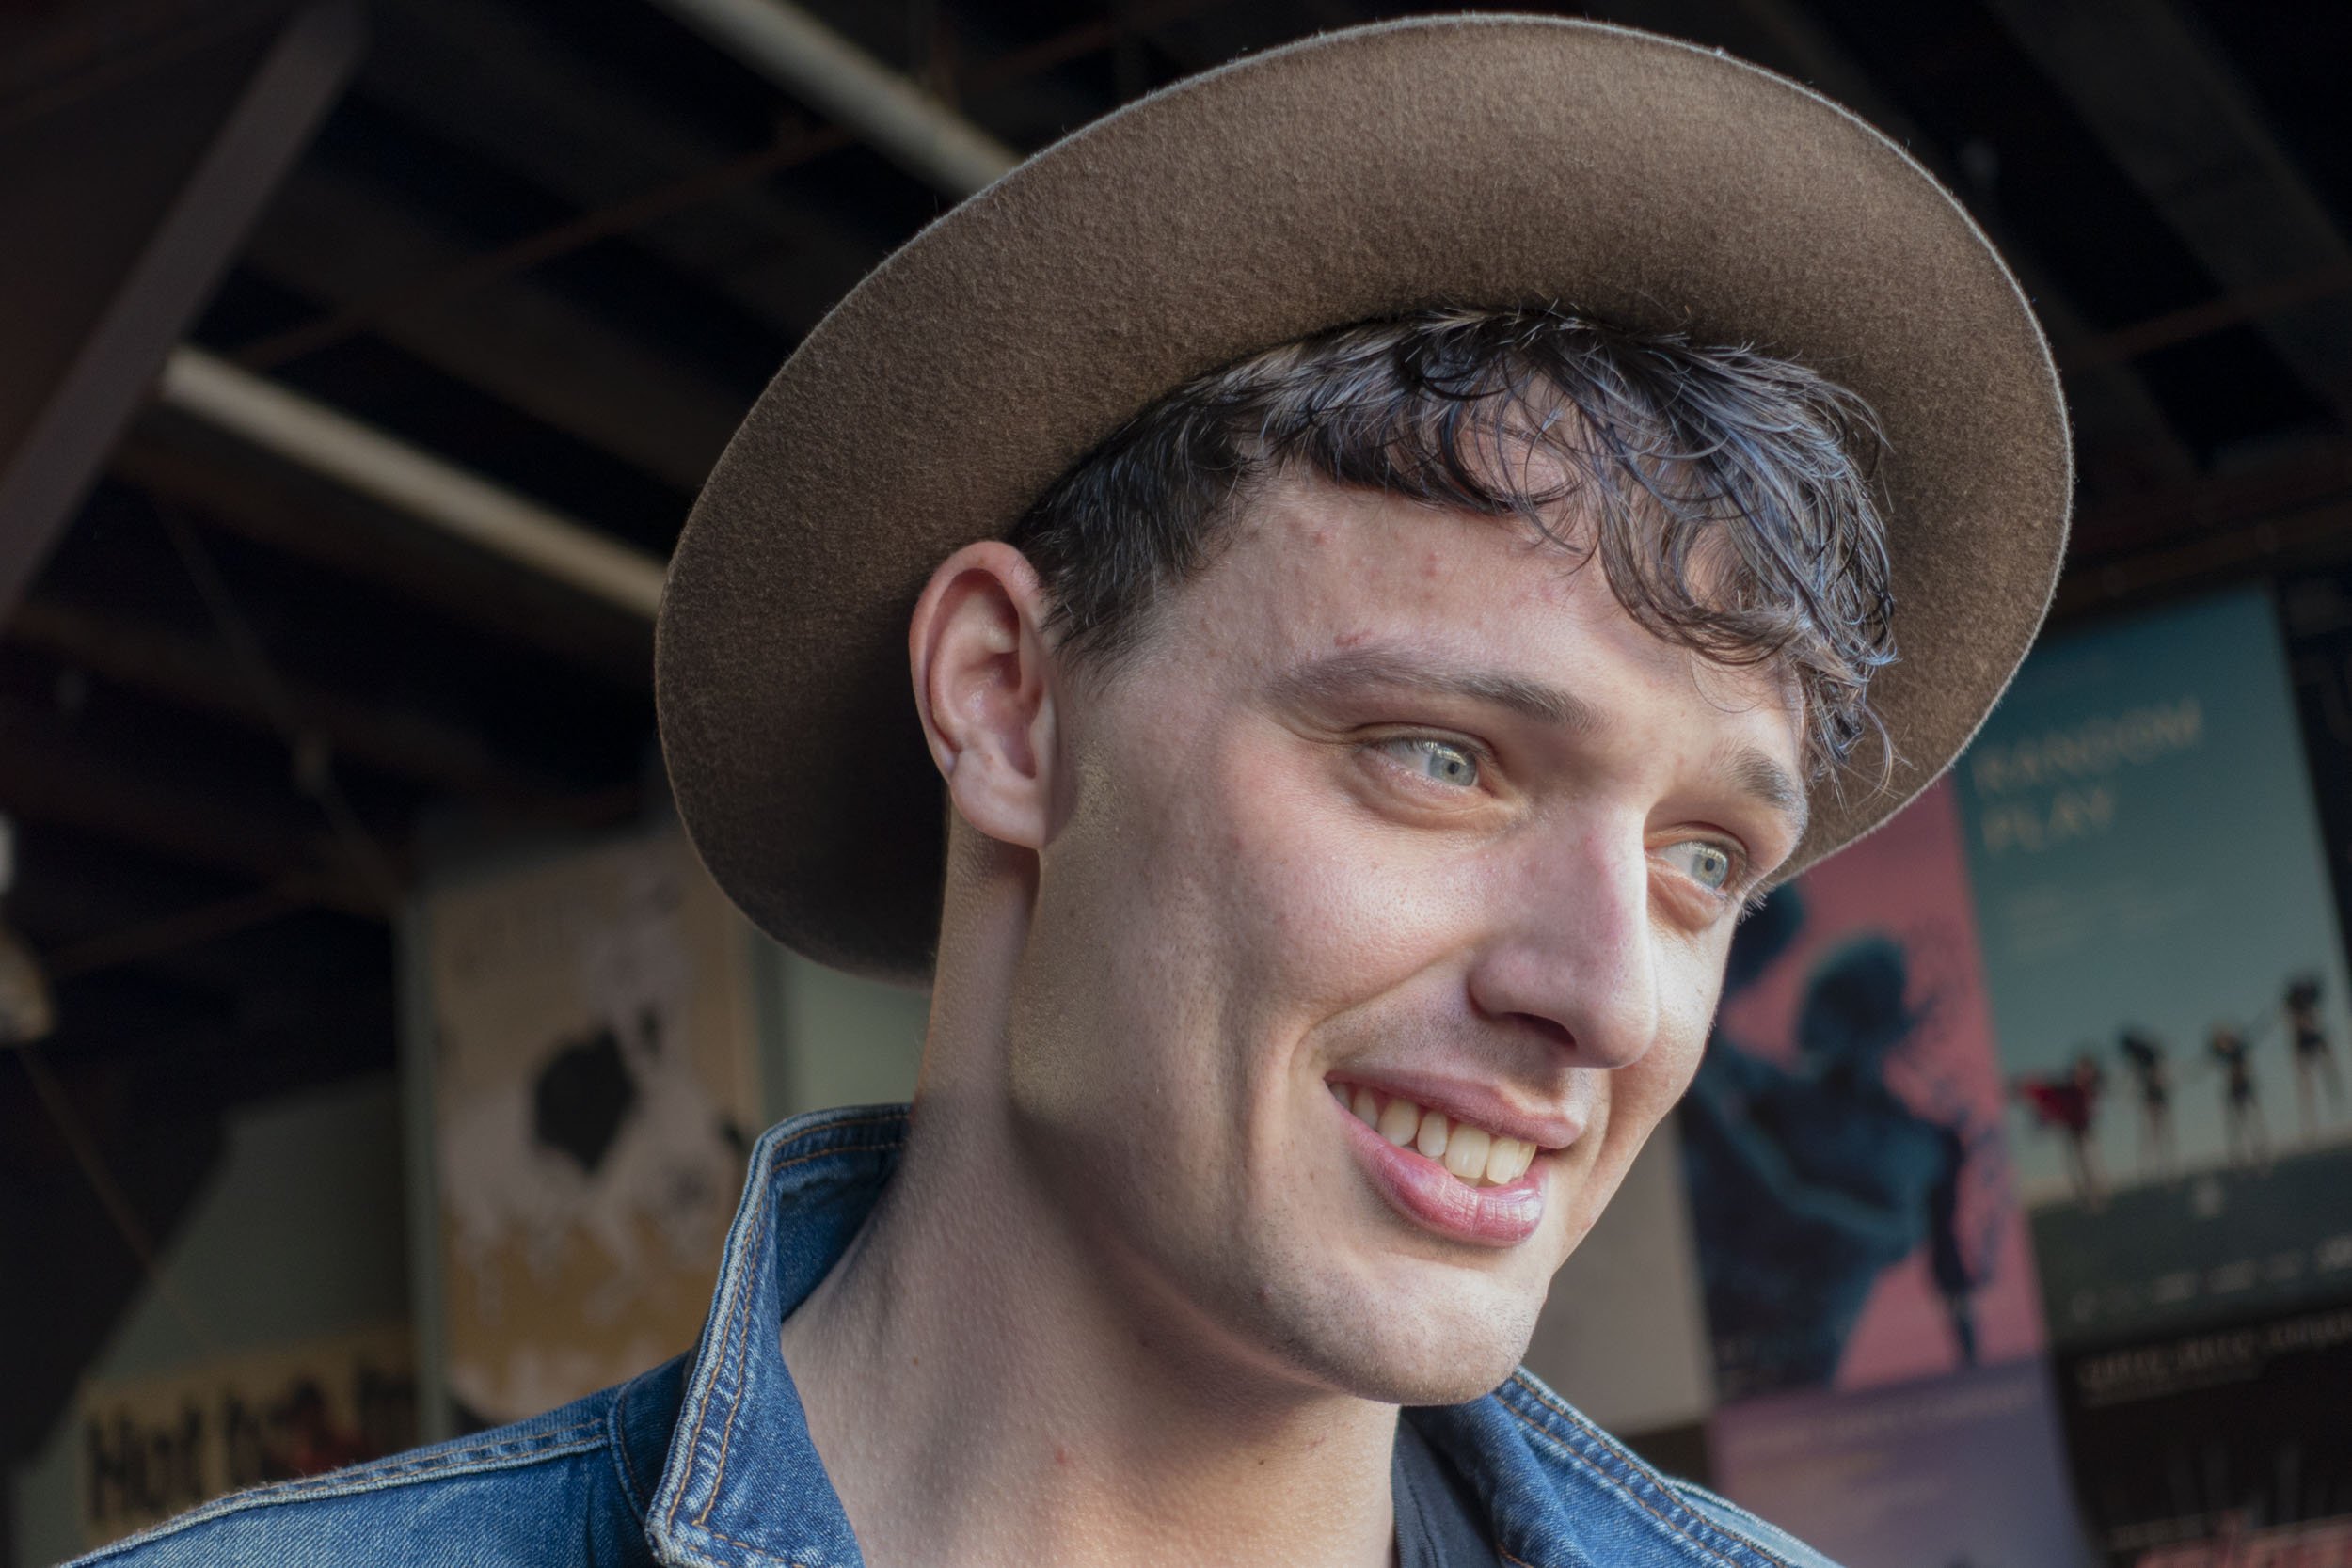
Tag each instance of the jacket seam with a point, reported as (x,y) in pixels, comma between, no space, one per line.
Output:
(362,1479)
(701,1396)
(616,1426)
(1576,1419)
(739,1311)
(757,1551)
(1688,1490)
(1617,1485)
(741,1308)
(726,1434)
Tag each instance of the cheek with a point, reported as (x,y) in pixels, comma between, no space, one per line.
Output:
(1324,905)
(1643,1093)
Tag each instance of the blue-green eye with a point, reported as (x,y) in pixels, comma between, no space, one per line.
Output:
(1439,761)
(1706,864)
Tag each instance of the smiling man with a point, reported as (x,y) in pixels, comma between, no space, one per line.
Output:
(1339,885)
(1395,543)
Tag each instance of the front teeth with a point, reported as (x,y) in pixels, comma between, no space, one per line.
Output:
(1471,1155)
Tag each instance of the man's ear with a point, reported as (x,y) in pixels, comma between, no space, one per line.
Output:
(976,646)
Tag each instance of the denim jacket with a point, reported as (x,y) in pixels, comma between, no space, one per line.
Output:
(708,1460)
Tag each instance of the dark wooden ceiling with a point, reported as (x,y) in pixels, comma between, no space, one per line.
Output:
(562,242)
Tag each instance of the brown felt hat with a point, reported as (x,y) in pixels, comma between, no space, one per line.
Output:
(1471,161)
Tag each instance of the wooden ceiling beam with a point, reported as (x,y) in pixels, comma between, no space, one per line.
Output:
(2163,101)
(51,773)
(202,675)
(334,239)
(2120,430)
(125,193)
(231,487)
(523,98)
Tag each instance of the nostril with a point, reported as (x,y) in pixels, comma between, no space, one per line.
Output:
(1550,1030)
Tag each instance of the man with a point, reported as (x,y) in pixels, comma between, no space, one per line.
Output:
(1388,570)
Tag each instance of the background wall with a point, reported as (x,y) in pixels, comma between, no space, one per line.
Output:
(298,1234)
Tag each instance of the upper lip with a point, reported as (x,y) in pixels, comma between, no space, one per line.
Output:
(1479,1104)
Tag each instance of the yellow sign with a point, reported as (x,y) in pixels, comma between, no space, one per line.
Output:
(154,1447)
(594,1098)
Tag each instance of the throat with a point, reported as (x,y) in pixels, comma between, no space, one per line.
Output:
(976,1395)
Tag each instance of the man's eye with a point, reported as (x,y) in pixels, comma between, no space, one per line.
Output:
(1708,864)
(1439,761)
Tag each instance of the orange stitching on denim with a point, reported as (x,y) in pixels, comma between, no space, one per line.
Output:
(431,1462)
(755,1551)
(738,1314)
(616,1422)
(702,1405)
(726,1331)
(1514,1562)
(726,1436)
(738,1307)
(702,1409)
(1552,1401)
(236,1502)
(1618,1484)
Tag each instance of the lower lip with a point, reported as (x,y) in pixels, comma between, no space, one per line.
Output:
(1431,1196)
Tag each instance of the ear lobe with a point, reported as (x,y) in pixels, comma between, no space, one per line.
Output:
(976,648)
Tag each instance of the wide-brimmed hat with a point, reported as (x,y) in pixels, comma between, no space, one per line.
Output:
(1490,161)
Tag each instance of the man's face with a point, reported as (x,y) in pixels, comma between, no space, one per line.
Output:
(1393,812)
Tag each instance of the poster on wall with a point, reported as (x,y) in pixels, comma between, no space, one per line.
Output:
(595,1095)
(2223,1447)
(152,1446)
(2168,983)
(2315,611)
(1960,1470)
(1849,1174)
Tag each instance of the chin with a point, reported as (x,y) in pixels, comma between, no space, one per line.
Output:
(1407,1349)
(1455,1377)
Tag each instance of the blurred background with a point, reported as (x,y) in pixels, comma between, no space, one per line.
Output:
(380,1065)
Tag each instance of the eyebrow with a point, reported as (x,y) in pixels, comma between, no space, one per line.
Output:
(1745,769)
(1336,675)
(1755,775)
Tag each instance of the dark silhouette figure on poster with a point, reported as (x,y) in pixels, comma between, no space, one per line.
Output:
(1810,1181)
(2144,1054)
(2069,1104)
(2314,1057)
(2247,1133)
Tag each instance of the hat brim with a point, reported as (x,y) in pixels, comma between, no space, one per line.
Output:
(1471,161)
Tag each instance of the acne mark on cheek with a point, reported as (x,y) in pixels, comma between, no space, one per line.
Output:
(1350,638)
(1061,1456)
(1432,565)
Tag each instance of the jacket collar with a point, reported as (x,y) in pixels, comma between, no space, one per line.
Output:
(742,1482)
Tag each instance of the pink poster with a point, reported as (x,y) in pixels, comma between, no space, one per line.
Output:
(1850,1178)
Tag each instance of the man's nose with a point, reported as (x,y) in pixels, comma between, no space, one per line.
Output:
(1570,950)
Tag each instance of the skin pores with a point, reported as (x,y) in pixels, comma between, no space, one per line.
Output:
(1386,798)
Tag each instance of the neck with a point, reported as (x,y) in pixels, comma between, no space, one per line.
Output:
(983,1390)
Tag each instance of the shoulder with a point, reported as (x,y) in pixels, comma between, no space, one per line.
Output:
(567,1487)
(1565,1491)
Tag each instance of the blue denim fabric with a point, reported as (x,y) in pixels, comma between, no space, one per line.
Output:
(708,1460)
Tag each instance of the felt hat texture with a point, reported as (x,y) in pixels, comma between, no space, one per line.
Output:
(1491,160)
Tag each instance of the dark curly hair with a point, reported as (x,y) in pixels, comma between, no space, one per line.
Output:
(1729,495)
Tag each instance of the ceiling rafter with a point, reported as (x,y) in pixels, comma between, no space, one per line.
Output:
(2164,101)
(335,239)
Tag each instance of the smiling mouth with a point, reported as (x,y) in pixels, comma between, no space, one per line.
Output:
(1475,1156)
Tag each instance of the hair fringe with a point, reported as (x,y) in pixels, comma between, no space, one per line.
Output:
(1730,497)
